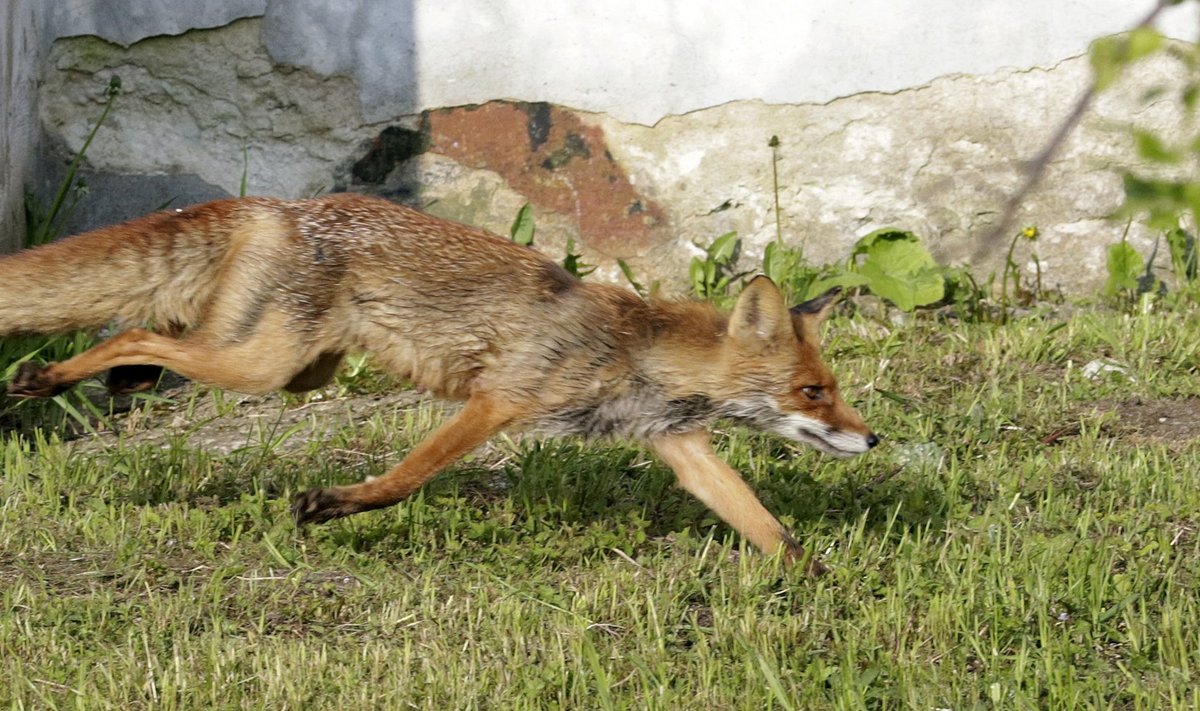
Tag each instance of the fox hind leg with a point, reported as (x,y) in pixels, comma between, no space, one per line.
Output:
(264,362)
(32,380)
(126,379)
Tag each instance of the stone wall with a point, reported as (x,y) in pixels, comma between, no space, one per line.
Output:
(18,117)
(636,131)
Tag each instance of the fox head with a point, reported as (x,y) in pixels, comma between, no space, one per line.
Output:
(776,378)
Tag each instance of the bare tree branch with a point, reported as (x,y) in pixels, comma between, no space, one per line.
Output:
(1037,167)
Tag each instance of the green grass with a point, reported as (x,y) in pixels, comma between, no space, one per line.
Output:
(973,565)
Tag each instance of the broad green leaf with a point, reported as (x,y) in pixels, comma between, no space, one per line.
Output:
(522,227)
(1142,41)
(901,249)
(696,273)
(1141,190)
(900,257)
(769,265)
(1183,253)
(1190,93)
(1162,199)
(865,243)
(722,247)
(1191,198)
(1150,147)
(781,263)
(906,290)
(1110,55)
(898,268)
(1125,265)
(845,279)
(1107,58)
(897,251)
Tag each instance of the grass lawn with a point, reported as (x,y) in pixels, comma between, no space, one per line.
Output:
(1025,537)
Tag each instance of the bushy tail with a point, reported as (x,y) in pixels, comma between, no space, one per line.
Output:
(158,270)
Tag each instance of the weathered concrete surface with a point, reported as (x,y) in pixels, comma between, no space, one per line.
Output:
(372,42)
(128,21)
(631,60)
(938,159)
(210,103)
(640,61)
(18,118)
(109,197)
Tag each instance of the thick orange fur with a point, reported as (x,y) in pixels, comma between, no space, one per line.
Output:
(255,294)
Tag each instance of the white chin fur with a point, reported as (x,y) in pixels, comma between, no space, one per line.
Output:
(817,435)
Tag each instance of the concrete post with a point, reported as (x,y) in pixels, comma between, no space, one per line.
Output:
(19,44)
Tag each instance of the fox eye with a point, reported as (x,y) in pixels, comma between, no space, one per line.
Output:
(813,392)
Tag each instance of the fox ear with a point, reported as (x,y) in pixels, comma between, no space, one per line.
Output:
(760,314)
(807,317)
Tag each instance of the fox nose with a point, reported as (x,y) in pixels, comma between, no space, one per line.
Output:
(872,440)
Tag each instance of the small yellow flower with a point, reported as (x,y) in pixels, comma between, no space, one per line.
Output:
(1030,233)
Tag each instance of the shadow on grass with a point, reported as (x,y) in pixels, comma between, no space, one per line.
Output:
(566,487)
(614,492)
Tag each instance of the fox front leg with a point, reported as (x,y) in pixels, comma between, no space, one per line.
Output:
(710,479)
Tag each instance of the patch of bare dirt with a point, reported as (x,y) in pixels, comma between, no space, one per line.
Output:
(233,421)
(1169,420)
(1172,421)
(1163,419)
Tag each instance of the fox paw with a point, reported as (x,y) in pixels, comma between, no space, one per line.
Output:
(795,554)
(319,506)
(32,380)
(816,568)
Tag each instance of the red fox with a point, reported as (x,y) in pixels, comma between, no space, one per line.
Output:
(255,294)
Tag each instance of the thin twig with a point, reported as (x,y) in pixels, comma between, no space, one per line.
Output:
(1037,168)
(774,144)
